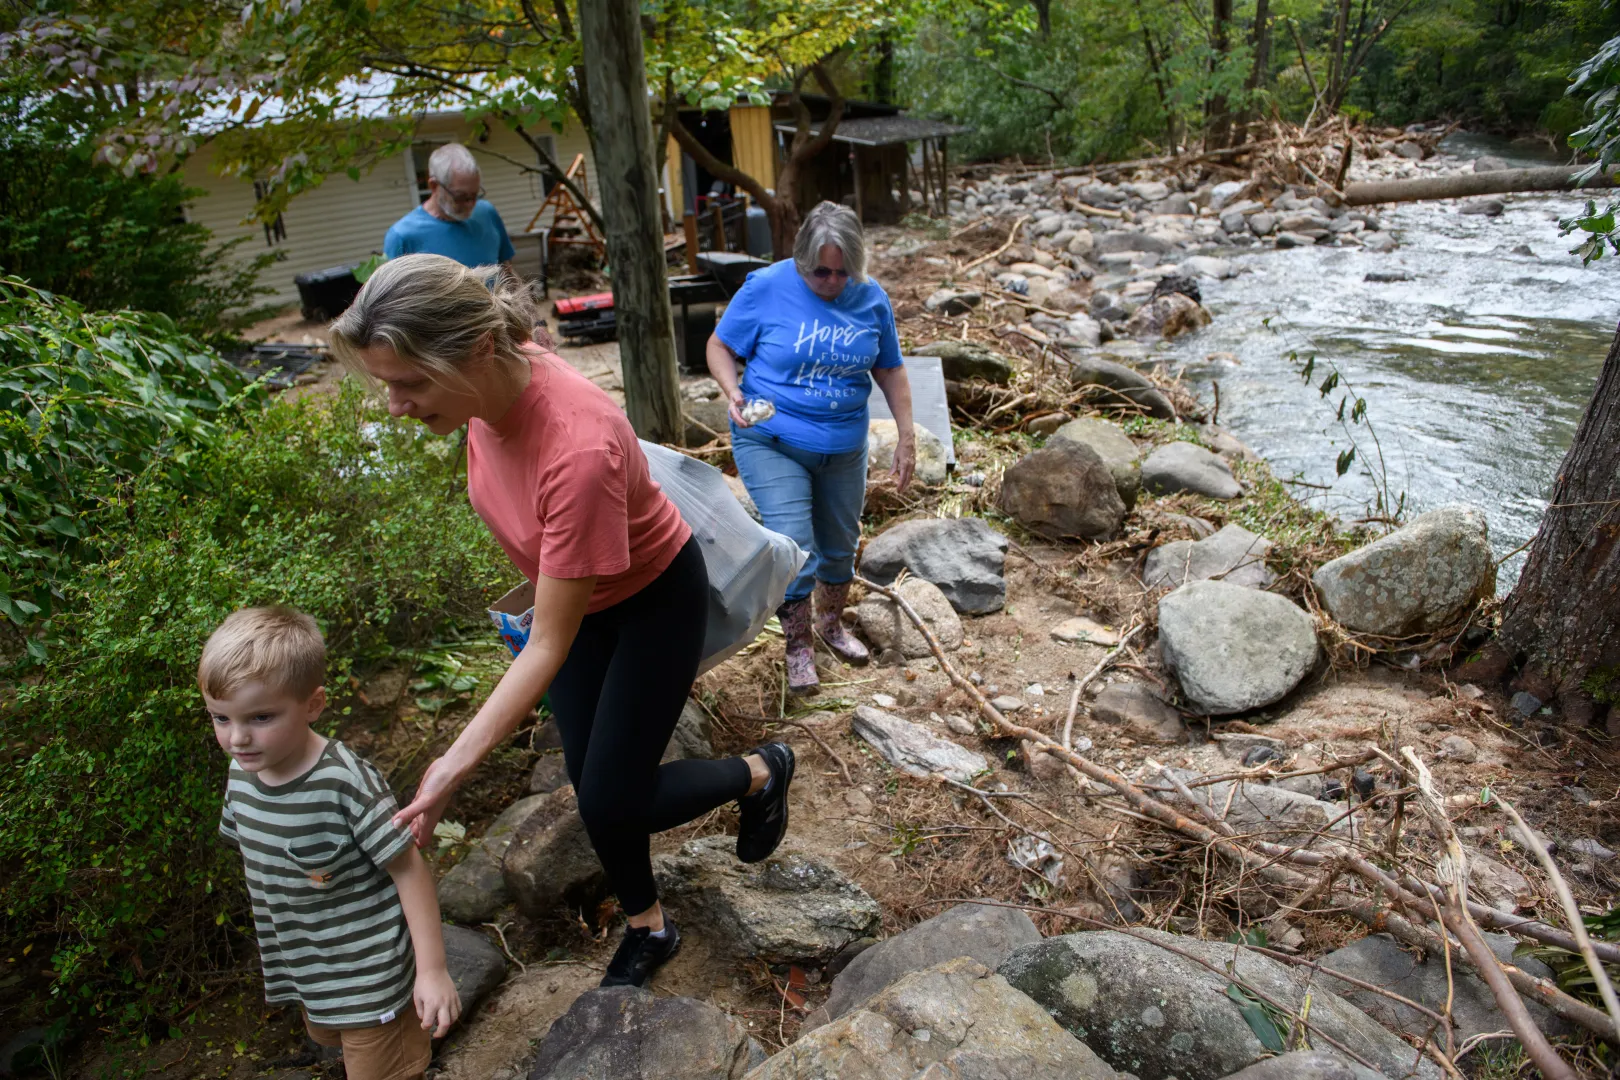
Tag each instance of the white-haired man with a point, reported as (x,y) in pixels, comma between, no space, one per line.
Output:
(453,220)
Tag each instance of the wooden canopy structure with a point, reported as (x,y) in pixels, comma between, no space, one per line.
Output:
(877,162)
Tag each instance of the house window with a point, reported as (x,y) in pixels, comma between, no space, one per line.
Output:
(274,231)
(416,164)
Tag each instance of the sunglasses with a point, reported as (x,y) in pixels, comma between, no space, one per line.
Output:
(822,273)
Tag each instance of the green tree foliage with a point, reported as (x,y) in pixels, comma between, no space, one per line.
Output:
(109,779)
(1599,79)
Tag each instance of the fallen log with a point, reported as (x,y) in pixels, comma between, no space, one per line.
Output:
(1467,185)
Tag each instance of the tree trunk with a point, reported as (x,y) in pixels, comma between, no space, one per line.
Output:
(610,32)
(1464,185)
(1563,617)
(1218,126)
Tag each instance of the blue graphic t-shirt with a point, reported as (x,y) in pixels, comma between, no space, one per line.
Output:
(479,241)
(810,357)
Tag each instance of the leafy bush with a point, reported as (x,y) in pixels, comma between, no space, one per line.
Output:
(109,780)
(86,402)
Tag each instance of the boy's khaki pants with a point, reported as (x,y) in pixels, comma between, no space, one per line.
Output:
(397,1050)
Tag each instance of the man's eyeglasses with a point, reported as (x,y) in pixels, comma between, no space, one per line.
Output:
(822,273)
(462,200)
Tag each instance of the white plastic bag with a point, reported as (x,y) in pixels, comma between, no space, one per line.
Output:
(749,566)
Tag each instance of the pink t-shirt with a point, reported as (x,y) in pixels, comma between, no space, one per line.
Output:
(562,483)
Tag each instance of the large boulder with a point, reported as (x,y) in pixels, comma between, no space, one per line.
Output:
(476,966)
(629,1032)
(1418,579)
(1167,316)
(1234,555)
(1234,649)
(887,627)
(1158,1014)
(968,360)
(474,890)
(963,556)
(788,909)
(1181,466)
(1115,448)
(691,739)
(914,749)
(1063,490)
(986,934)
(706,420)
(1306,1065)
(1108,383)
(881,438)
(550,861)
(1379,960)
(956,1021)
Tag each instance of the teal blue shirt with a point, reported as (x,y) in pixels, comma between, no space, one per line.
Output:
(478,241)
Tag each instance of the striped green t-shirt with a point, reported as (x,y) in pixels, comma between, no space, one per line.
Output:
(332,934)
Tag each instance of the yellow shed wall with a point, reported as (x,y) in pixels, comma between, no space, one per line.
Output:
(753,143)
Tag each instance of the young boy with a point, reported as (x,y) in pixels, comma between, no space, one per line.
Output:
(346,911)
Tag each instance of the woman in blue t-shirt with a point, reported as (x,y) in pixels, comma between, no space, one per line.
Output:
(812,329)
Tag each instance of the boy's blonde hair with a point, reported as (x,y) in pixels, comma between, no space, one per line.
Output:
(278,646)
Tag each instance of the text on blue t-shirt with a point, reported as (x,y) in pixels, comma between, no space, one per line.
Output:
(810,357)
(479,241)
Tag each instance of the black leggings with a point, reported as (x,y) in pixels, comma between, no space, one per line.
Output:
(617,698)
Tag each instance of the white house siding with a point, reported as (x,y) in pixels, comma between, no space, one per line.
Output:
(343,220)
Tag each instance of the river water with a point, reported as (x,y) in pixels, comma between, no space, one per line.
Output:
(1475,372)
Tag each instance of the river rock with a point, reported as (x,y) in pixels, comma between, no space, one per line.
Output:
(1234,649)
(969,360)
(1141,710)
(1458,748)
(692,736)
(1489,163)
(1276,813)
(1418,579)
(953,301)
(1115,448)
(1157,1014)
(1047,423)
(1307,1065)
(706,420)
(986,934)
(1082,243)
(1168,315)
(474,890)
(550,773)
(881,437)
(1263,224)
(1487,207)
(788,909)
(1208,266)
(1294,239)
(1110,383)
(476,966)
(1080,630)
(1181,466)
(1121,240)
(1063,490)
(887,627)
(915,750)
(739,491)
(1380,960)
(955,1021)
(550,860)
(1234,555)
(630,1032)
(1225,192)
(964,557)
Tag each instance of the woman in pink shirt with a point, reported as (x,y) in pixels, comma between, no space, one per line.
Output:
(621,593)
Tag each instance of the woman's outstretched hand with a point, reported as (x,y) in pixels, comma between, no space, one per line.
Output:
(735,409)
(905,463)
(432,796)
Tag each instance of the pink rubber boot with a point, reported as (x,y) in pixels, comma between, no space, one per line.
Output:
(830,601)
(801,655)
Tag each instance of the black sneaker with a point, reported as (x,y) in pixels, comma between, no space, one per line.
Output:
(640,954)
(765,813)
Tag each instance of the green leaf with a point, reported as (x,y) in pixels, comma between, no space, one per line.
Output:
(1258,1019)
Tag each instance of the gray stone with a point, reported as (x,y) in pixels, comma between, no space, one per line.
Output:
(550,860)
(1588,848)
(788,909)
(1234,555)
(1458,748)
(1409,150)
(1489,163)
(1177,204)
(1233,221)
(1276,813)
(963,556)
(1181,466)
(1381,961)
(882,437)
(1234,649)
(474,890)
(1082,243)
(1148,190)
(1168,315)
(1141,710)
(1225,192)
(915,750)
(1122,240)
(706,420)
(1226,444)
(692,737)
(476,966)
(550,773)
(1304,223)
(1046,424)
(1063,490)
(887,627)
(956,1021)
(629,1032)
(1294,239)
(1263,224)
(1006,703)
(1486,207)
(1525,704)
(1306,1065)
(1207,266)
(1158,1014)
(1418,579)
(1109,383)
(740,491)
(1381,243)
(987,934)
(1115,448)
(968,360)
(953,301)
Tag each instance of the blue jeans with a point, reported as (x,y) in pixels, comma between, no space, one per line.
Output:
(813,498)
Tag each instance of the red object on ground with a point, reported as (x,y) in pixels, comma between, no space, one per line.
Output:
(575,305)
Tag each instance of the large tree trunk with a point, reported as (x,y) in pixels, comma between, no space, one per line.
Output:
(1562,619)
(610,31)
(1463,185)
(1218,121)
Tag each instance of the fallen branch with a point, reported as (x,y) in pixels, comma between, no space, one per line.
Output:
(1079,687)
(1012,234)
(1467,185)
